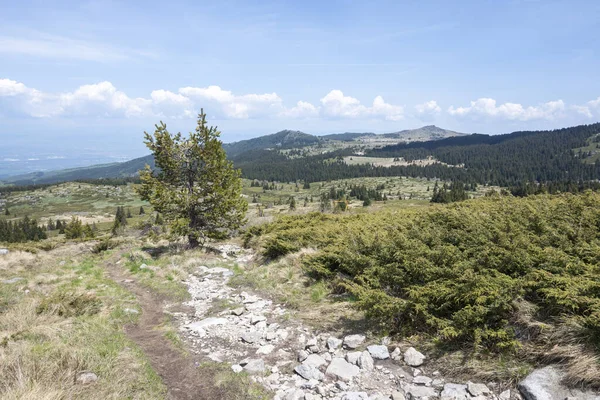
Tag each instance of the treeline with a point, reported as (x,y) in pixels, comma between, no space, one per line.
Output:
(23,186)
(22,230)
(543,157)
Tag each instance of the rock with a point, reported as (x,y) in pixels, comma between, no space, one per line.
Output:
(314,360)
(544,383)
(86,378)
(415,391)
(378,352)
(355,396)
(353,341)
(504,395)
(309,372)
(3,252)
(270,336)
(478,389)
(268,349)
(327,357)
(205,323)
(342,369)
(13,280)
(365,361)
(295,394)
(303,355)
(353,357)
(422,380)
(237,368)
(255,319)
(238,311)
(251,337)
(130,311)
(398,396)
(310,396)
(341,385)
(413,358)
(333,343)
(143,266)
(255,366)
(396,354)
(454,391)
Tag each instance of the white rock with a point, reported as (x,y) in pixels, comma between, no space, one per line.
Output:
(303,355)
(341,369)
(353,341)
(251,337)
(413,358)
(378,352)
(333,343)
(396,354)
(309,372)
(86,378)
(255,366)
(454,391)
(353,357)
(422,380)
(504,395)
(365,361)
(478,389)
(397,395)
(254,319)
(314,360)
(416,391)
(355,396)
(237,368)
(205,323)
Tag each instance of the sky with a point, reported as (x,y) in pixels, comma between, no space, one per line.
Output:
(89,77)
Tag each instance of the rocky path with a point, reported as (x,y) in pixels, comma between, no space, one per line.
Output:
(255,335)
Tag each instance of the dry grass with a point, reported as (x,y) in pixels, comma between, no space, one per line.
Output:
(60,320)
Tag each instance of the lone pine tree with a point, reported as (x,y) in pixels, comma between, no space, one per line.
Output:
(194,186)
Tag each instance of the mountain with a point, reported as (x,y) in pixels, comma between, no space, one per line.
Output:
(347,136)
(423,134)
(285,139)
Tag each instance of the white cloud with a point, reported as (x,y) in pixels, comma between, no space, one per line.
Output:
(590,109)
(302,109)
(335,104)
(428,110)
(50,46)
(511,111)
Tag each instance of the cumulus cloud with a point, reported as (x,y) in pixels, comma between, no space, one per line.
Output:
(428,110)
(302,109)
(590,109)
(511,111)
(336,104)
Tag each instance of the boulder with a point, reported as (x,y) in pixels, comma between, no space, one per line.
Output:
(355,396)
(309,372)
(413,358)
(3,252)
(397,395)
(353,357)
(237,311)
(333,343)
(379,352)
(478,389)
(255,366)
(251,337)
(353,341)
(267,349)
(454,391)
(396,354)
(342,369)
(416,391)
(365,361)
(545,383)
(86,378)
(422,380)
(314,360)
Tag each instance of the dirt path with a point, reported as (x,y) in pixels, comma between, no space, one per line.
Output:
(177,370)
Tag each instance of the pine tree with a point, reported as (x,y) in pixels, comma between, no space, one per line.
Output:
(6,212)
(142,212)
(292,204)
(129,213)
(194,186)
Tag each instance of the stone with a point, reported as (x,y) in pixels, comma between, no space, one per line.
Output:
(353,357)
(251,337)
(396,354)
(342,369)
(270,336)
(327,357)
(130,311)
(416,391)
(255,319)
(333,343)
(422,380)
(454,391)
(504,395)
(295,394)
(545,383)
(341,385)
(267,349)
(353,341)
(365,361)
(314,360)
(413,358)
(477,389)
(398,396)
(86,378)
(238,311)
(355,396)
(237,368)
(309,372)
(255,366)
(378,352)
(303,355)
(13,280)
(205,323)
(3,252)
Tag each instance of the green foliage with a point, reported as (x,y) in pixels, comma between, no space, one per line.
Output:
(454,272)
(23,230)
(74,229)
(194,186)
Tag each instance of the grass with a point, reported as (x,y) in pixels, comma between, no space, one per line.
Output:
(64,319)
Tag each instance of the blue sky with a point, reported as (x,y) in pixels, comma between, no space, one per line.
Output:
(94,75)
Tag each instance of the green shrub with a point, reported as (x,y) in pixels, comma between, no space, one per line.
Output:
(454,271)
